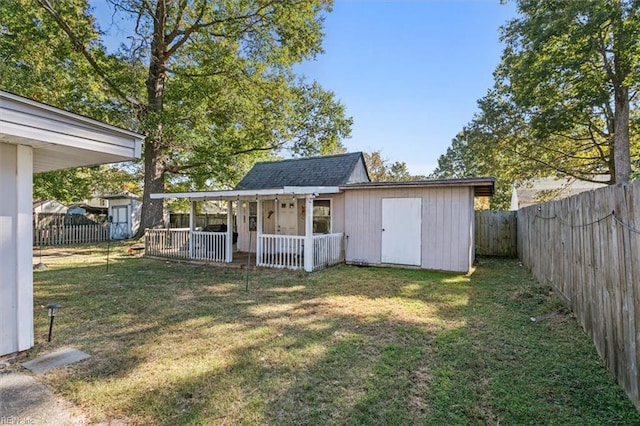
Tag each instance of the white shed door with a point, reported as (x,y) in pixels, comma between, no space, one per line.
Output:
(401,230)
(120,223)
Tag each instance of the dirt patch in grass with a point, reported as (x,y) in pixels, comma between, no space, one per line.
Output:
(186,344)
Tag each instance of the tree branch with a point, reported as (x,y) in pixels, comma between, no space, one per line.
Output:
(80,47)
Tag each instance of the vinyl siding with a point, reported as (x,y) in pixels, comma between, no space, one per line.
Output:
(447,225)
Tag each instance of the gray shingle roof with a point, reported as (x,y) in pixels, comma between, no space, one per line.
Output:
(331,170)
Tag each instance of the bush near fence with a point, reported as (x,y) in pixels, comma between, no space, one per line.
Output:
(587,247)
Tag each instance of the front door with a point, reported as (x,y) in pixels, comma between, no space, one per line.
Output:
(401,231)
(287,217)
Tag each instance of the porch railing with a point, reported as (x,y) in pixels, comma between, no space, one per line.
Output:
(280,251)
(287,251)
(273,251)
(173,243)
(327,250)
(183,244)
(209,246)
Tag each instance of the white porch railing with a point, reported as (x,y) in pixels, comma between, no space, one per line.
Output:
(172,243)
(327,250)
(280,251)
(185,244)
(209,246)
(273,251)
(287,251)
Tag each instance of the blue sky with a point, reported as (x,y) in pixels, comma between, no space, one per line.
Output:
(409,72)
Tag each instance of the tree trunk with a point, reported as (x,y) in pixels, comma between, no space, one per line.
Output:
(152,210)
(621,150)
(154,167)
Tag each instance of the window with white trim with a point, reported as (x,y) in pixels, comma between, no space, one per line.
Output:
(321,216)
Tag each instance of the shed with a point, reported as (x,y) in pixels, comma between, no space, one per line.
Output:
(124,209)
(424,224)
(35,137)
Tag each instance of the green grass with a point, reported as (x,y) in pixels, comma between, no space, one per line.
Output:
(185,344)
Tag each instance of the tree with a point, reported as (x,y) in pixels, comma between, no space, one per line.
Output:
(82,183)
(573,70)
(380,170)
(554,108)
(210,83)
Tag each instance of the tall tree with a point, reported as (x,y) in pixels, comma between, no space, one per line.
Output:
(573,68)
(555,108)
(381,170)
(209,82)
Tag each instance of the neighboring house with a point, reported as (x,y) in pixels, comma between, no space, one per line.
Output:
(49,206)
(312,212)
(124,211)
(535,191)
(95,206)
(36,138)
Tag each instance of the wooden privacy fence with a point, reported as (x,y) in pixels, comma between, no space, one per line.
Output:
(70,234)
(588,248)
(496,233)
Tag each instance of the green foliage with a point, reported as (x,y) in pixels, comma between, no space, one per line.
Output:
(558,106)
(67,186)
(381,170)
(210,83)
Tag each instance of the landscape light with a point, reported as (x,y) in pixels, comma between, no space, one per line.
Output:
(53,309)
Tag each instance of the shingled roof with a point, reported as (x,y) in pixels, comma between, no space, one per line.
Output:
(330,170)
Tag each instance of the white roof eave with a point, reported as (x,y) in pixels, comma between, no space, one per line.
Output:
(248,194)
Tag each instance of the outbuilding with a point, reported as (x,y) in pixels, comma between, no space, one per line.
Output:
(35,137)
(310,213)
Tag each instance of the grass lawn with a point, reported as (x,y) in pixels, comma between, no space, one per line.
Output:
(186,344)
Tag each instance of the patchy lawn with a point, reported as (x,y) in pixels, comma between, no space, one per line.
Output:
(185,344)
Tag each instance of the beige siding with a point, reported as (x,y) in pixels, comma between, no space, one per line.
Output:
(269,223)
(337,212)
(447,225)
(359,174)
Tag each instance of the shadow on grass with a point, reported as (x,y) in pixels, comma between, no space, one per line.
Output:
(184,344)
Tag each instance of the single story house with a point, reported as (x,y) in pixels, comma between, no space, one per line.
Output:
(35,137)
(49,206)
(124,210)
(309,213)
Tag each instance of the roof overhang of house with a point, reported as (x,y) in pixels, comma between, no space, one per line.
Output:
(482,186)
(61,139)
(251,194)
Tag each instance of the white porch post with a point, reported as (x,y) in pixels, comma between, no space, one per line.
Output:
(229,240)
(192,227)
(308,234)
(16,248)
(24,246)
(258,232)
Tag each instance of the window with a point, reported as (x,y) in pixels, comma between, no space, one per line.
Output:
(253,216)
(321,216)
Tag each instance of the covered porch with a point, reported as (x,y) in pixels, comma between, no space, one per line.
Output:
(285,242)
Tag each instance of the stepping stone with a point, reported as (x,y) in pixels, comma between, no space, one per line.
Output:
(59,358)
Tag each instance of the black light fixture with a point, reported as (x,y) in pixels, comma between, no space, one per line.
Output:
(53,309)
